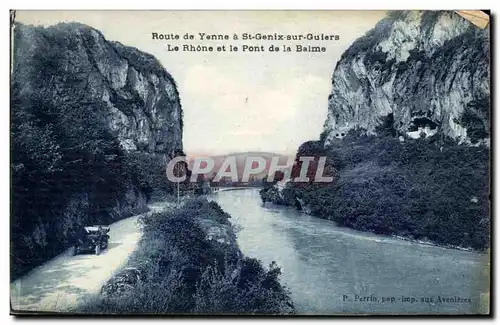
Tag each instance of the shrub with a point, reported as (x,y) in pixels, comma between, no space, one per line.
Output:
(185,271)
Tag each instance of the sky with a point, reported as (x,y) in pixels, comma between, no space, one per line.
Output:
(237,101)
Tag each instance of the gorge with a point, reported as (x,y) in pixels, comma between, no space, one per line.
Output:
(406,134)
(94,124)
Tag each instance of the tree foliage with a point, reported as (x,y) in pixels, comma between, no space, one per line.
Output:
(186,271)
(421,189)
(68,169)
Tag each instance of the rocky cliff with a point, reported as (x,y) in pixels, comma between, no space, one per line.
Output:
(138,98)
(423,73)
(92,124)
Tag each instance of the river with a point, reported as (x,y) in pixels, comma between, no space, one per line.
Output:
(336,270)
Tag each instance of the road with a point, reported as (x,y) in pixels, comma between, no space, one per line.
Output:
(326,267)
(66,281)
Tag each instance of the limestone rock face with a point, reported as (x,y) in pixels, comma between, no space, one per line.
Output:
(424,73)
(137,97)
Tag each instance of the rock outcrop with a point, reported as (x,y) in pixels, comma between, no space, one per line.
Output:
(422,73)
(138,98)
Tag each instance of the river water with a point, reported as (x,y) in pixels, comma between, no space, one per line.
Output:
(336,270)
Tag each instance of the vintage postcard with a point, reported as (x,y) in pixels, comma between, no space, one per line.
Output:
(250,162)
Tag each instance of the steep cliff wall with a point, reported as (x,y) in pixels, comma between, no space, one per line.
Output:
(138,97)
(423,72)
(92,122)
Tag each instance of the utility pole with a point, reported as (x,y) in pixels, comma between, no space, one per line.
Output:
(178,183)
(178,195)
(177,170)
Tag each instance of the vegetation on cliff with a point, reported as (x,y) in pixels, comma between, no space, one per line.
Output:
(69,165)
(188,261)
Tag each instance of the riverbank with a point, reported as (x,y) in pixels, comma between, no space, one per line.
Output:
(421,189)
(273,196)
(188,261)
(322,261)
(277,202)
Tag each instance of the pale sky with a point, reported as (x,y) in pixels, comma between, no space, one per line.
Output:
(235,101)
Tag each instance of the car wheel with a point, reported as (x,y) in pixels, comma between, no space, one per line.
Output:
(98,249)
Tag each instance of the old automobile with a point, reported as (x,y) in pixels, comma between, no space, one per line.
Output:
(91,239)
